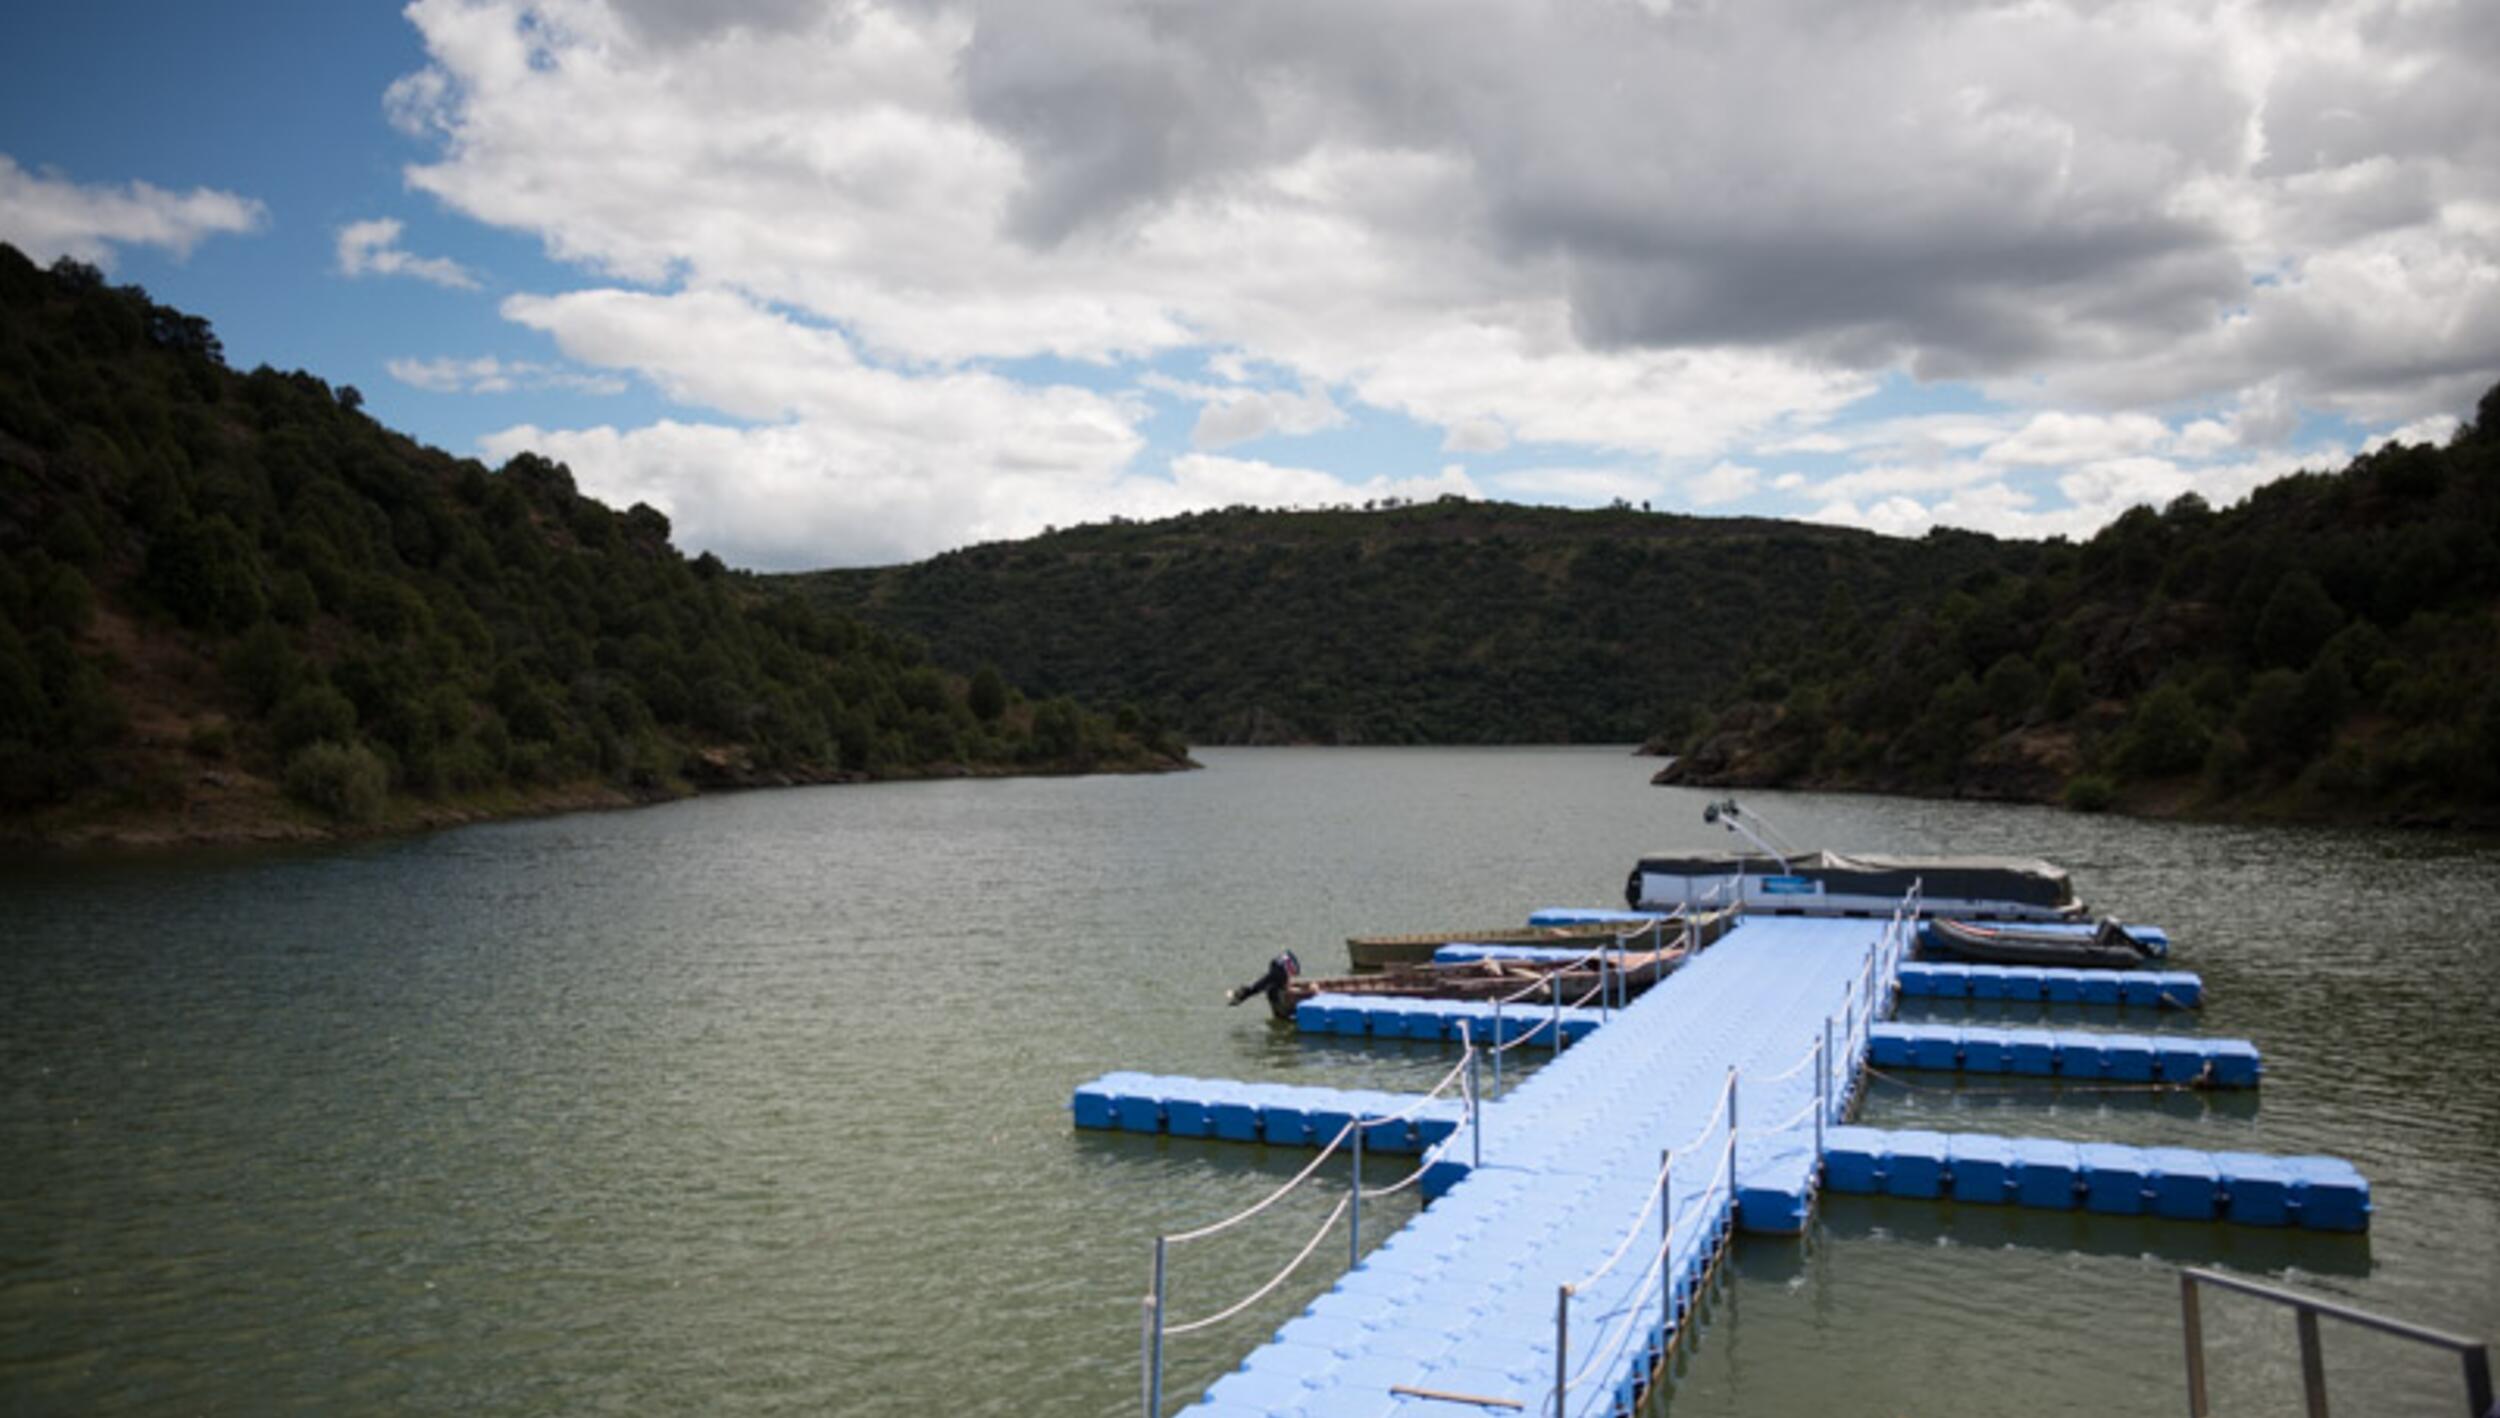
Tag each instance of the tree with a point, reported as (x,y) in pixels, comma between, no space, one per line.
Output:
(2165,735)
(2298,618)
(988,694)
(2012,687)
(206,573)
(2066,693)
(310,714)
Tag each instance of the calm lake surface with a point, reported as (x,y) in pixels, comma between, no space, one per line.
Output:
(758,1103)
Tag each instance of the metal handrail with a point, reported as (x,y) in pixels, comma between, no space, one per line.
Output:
(2474,1354)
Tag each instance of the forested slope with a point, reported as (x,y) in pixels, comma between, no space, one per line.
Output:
(233,605)
(1446,622)
(2329,648)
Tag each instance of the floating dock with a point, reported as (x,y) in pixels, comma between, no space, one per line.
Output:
(2077,1054)
(2146,989)
(1405,1017)
(1573,1219)
(1279,1114)
(1463,1299)
(2317,1193)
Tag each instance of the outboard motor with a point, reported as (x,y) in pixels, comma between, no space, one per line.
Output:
(1280,973)
(2112,935)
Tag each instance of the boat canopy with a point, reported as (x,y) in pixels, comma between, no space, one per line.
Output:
(2028,881)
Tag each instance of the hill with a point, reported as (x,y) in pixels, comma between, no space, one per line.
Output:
(232,605)
(1444,622)
(2328,649)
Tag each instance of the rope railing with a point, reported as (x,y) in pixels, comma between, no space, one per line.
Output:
(1354,1128)
(1497,1050)
(1792,1070)
(1457,1070)
(1666,1165)
(1541,981)
(1269,1288)
(1866,999)
(1217,1228)
(1605,1354)
(1625,1321)
(1798,1118)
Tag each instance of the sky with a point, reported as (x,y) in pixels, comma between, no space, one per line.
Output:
(854,283)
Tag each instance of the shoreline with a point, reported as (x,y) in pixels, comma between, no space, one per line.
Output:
(234,810)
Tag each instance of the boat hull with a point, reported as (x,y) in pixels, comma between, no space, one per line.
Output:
(1384,952)
(2107,948)
(1828,884)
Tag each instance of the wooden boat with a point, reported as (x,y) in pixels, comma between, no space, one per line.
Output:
(2106,946)
(1488,980)
(1381,952)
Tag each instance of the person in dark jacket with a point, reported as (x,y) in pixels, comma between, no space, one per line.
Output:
(1280,973)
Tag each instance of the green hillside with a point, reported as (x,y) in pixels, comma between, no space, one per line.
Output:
(1445,622)
(2327,649)
(232,605)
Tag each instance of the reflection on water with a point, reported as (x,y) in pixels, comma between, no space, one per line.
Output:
(2254,1249)
(758,1103)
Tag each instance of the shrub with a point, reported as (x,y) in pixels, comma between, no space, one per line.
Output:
(347,781)
(988,694)
(311,714)
(2090,792)
(2166,735)
(2012,687)
(2066,693)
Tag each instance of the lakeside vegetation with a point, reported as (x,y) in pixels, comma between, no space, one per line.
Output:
(1452,621)
(2327,649)
(2324,650)
(233,605)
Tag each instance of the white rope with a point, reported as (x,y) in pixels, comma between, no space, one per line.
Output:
(1608,1352)
(1790,1072)
(1802,1115)
(1543,1021)
(1272,1197)
(1541,981)
(1707,1125)
(1727,1159)
(1411,1109)
(1629,1315)
(1583,1000)
(1665,1166)
(1392,1190)
(1269,1288)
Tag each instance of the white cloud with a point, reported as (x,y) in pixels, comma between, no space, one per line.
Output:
(1236,413)
(853,463)
(489,374)
(1724,482)
(2055,439)
(1479,435)
(2098,215)
(2435,430)
(2204,438)
(372,248)
(48,216)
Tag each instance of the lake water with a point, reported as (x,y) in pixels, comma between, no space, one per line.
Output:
(757,1104)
